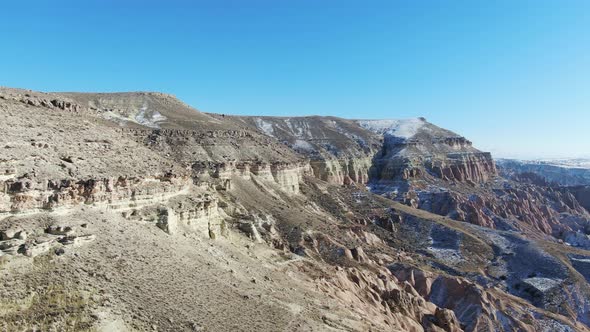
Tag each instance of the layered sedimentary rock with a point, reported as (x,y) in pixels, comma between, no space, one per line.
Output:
(463,167)
(146,183)
(342,171)
(25,195)
(345,152)
(338,150)
(417,149)
(218,175)
(505,208)
(199,214)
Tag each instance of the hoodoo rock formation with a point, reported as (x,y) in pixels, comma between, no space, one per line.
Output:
(134,212)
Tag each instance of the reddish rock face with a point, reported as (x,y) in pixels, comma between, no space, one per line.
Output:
(382,294)
(526,206)
(427,156)
(472,167)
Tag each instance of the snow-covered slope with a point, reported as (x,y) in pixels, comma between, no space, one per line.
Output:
(405,128)
(566,172)
(567,163)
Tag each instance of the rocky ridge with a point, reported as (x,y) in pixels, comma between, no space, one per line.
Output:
(270,213)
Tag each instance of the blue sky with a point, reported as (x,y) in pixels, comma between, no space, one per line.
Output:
(512,76)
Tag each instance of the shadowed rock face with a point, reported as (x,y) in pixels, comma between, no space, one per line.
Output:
(137,198)
(581,193)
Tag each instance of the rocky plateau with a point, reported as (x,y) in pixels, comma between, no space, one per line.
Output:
(136,212)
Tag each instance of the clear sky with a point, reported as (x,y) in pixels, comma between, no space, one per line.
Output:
(512,76)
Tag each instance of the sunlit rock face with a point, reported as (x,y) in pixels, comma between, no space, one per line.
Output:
(416,149)
(342,171)
(304,223)
(358,151)
(25,195)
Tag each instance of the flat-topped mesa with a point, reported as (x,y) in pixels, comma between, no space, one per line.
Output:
(355,151)
(414,148)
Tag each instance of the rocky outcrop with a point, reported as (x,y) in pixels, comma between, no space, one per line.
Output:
(218,175)
(449,159)
(199,214)
(25,195)
(463,167)
(33,241)
(383,295)
(342,171)
(285,175)
(43,100)
(536,207)
(581,193)
(475,307)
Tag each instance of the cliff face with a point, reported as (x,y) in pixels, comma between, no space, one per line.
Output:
(338,150)
(516,208)
(219,175)
(464,167)
(25,195)
(358,151)
(342,171)
(418,149)
(142,195)
(581,193)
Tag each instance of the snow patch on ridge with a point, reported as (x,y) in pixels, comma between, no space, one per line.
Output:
(266,127)
(303,145)
(399,128)
(143,117)
(543,284)
(300,132)
(149,120)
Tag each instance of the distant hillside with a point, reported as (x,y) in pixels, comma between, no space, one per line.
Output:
(563,172)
